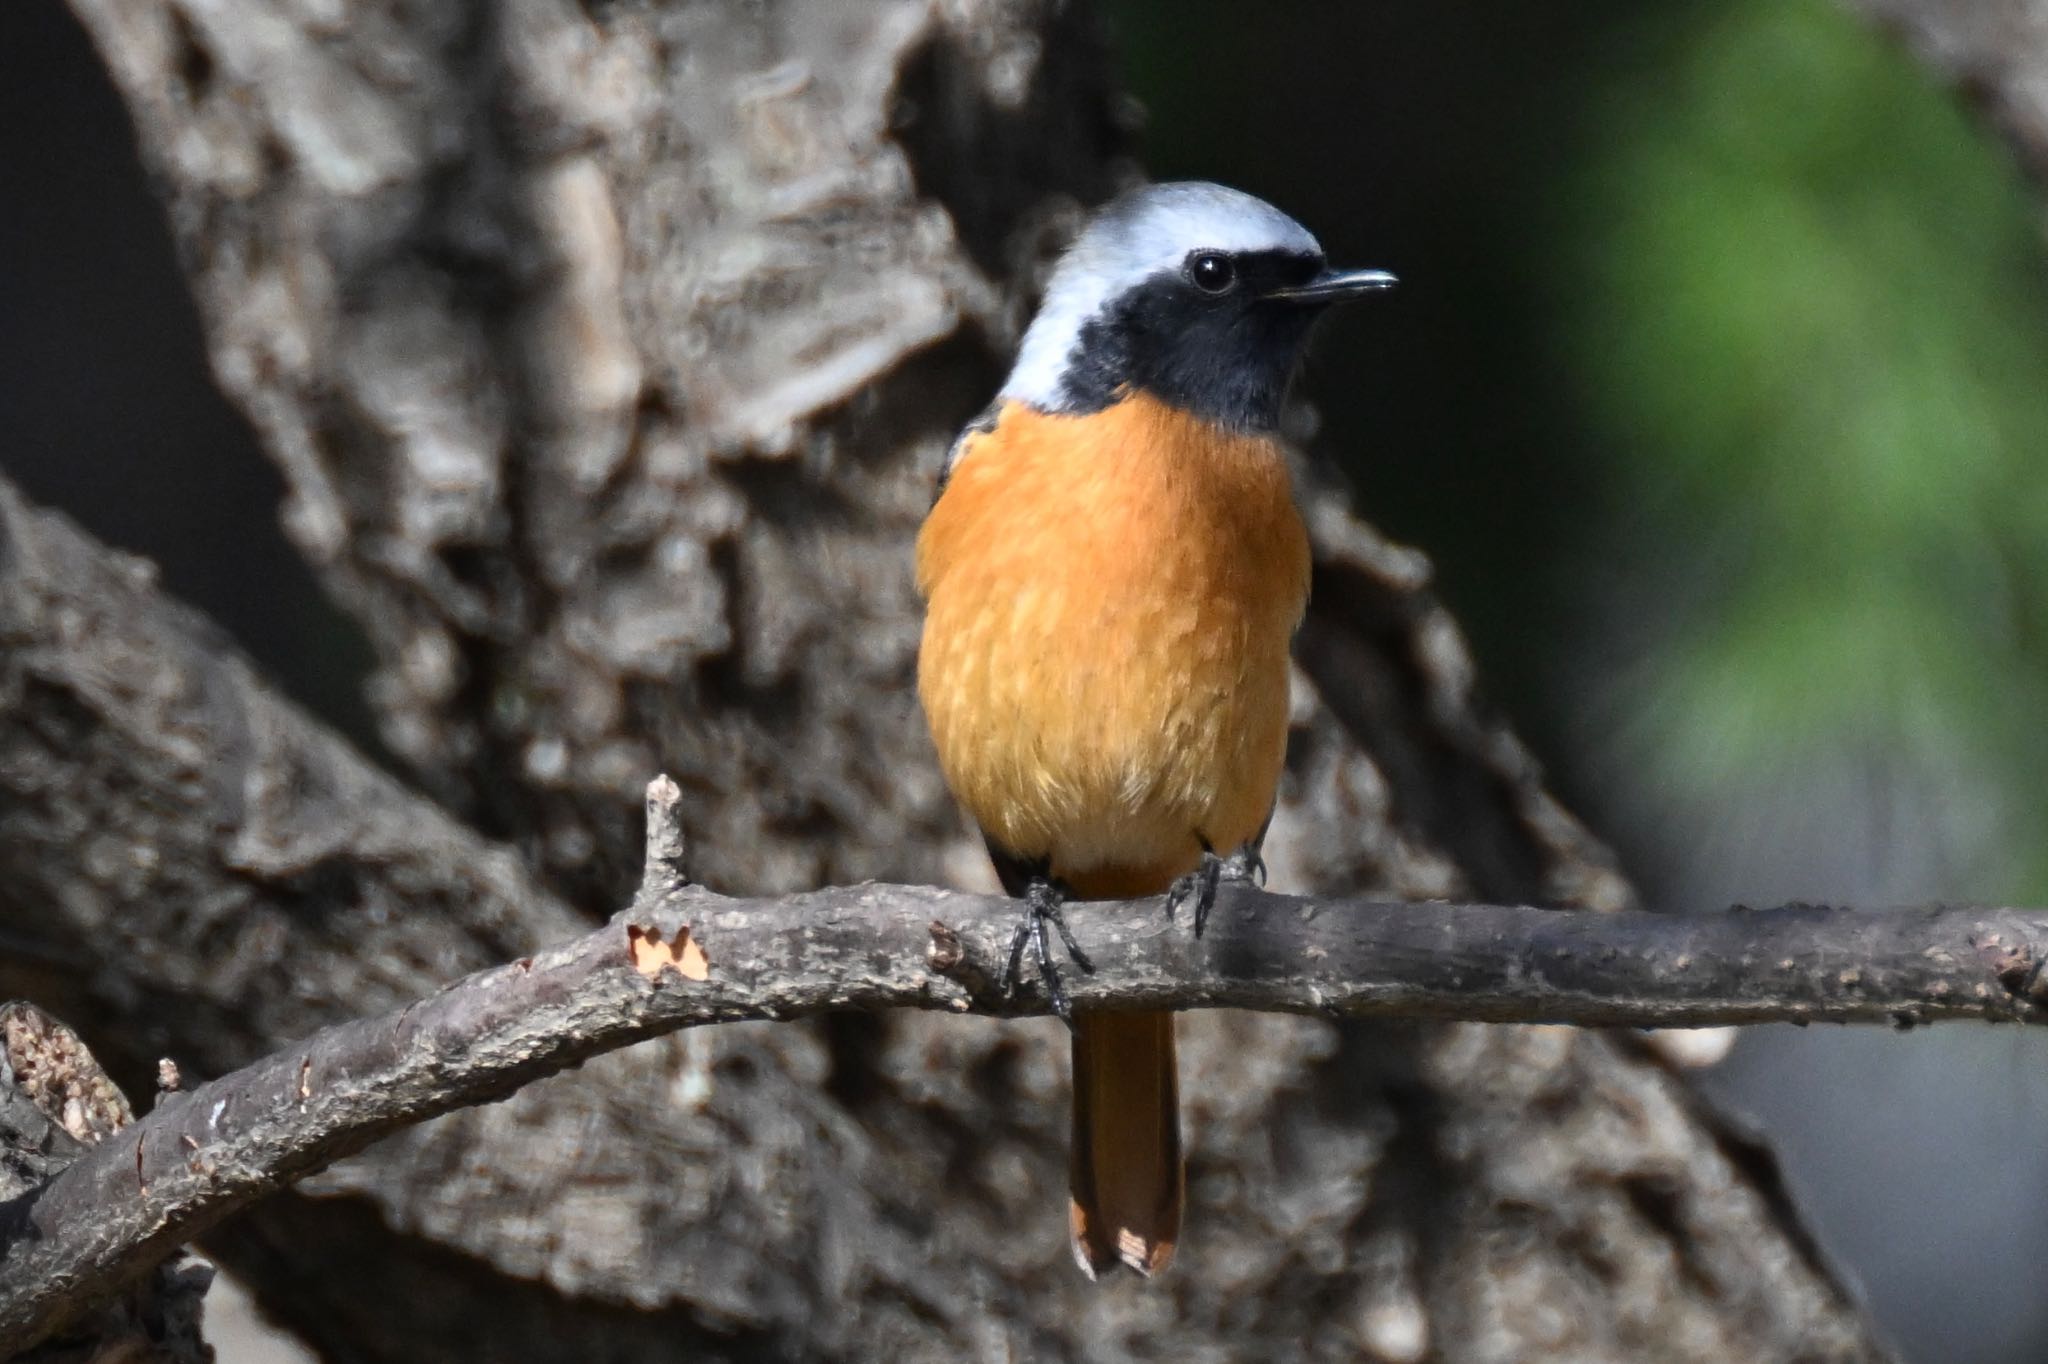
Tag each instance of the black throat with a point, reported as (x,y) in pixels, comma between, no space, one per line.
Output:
(1228,358)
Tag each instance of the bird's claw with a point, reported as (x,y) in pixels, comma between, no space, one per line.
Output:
(1042,905)
(1200,884)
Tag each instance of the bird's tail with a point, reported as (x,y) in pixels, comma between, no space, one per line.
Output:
(1124,1169)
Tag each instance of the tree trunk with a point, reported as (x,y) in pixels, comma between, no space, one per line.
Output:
(609,352)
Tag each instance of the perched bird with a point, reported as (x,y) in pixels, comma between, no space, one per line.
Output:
(1113,570)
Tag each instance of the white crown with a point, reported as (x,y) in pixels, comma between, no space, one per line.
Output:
(1133,238)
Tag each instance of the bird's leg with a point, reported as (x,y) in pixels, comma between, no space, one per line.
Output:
(1200,884)
(1042,905)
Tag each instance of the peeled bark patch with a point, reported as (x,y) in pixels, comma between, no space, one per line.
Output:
(653,954)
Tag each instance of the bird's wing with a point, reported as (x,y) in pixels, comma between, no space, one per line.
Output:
(983,423)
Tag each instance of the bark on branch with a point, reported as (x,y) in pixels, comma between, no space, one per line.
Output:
(683,957)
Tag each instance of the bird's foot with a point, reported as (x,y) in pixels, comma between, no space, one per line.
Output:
(1200,884)
(1042,906)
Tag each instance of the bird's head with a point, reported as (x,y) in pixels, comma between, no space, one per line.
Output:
(1192,293)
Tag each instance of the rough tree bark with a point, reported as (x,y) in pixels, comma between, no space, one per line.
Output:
(608,352)
(55,1105)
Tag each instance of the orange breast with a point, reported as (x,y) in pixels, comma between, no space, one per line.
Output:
(1105,656)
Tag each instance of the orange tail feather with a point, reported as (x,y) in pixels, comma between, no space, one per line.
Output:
(1124,1169)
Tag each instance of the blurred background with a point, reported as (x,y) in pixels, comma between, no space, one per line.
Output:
(1717,388)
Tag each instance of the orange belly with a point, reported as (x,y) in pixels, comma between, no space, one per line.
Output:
(1105,655)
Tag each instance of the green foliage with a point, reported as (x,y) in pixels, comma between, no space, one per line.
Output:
(1810,335)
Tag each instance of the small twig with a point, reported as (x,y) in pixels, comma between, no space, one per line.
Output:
(665,871)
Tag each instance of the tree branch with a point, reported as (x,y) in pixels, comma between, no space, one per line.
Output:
(683,957)
(55,1104)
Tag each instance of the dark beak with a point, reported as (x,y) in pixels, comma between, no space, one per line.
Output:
(1334,286)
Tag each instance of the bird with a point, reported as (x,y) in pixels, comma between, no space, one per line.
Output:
(1113,569)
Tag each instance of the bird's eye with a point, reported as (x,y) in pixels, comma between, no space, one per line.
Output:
(1211,271)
